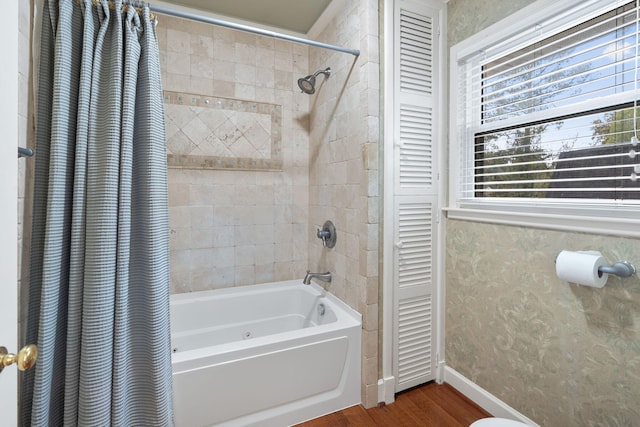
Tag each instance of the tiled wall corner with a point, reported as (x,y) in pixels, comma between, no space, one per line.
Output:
(343,169)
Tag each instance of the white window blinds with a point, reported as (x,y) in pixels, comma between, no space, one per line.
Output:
(554,118)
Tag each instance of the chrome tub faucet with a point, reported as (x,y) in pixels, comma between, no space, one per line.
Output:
(325,277)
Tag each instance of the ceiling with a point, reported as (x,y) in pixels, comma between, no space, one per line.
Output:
(291,15)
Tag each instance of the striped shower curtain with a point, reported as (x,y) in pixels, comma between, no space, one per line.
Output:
(99,278)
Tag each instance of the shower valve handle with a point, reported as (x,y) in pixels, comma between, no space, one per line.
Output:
(327,234)
(324,235)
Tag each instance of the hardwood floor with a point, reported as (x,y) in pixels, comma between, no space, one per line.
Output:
(437,405)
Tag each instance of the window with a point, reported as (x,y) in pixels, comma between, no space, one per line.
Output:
(546,117)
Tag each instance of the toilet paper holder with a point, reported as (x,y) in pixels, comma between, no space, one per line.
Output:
(621,269)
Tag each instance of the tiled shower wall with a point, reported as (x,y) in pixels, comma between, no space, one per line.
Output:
(244,226)
(232,228)
(343,170)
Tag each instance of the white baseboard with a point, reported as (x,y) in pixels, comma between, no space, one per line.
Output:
(483,398)
(387,390)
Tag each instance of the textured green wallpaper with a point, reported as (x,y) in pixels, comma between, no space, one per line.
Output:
(562,354)
(467,17)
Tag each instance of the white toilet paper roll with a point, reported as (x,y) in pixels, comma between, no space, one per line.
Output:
(581,268)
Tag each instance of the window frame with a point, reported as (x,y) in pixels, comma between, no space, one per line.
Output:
(594,216)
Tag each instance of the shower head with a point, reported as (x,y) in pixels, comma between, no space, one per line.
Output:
(308,84)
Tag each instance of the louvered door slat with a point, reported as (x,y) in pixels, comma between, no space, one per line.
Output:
(413,273)
(414,280)
(416,52)
(413,356)
(409,259)
(416,350)
(416,175)
(414,56)
(415,157)
(414,338)
(421,27)
(416,255)
(418,60)
(417,75)
(416,232)
(419,21)
(413,329)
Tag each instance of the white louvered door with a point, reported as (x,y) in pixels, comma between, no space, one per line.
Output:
(415,190)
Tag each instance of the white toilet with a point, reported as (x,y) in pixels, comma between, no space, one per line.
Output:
(498,422)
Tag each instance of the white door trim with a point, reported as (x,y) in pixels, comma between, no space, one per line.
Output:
(9,211)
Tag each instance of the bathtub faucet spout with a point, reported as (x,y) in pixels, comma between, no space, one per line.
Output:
(325,277)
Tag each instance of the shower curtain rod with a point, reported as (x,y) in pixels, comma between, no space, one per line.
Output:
(214,21)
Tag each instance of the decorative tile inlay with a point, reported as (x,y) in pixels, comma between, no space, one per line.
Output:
(208,132)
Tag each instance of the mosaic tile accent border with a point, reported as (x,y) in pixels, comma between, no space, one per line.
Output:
(209,132)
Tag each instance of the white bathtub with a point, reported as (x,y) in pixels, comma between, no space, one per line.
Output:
(263,355)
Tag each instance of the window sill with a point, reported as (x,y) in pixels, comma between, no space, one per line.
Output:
(621,227)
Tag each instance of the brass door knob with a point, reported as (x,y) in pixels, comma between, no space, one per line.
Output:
(25,358)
